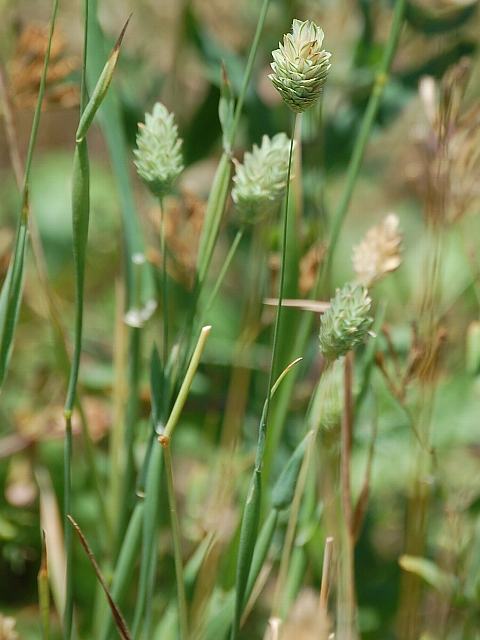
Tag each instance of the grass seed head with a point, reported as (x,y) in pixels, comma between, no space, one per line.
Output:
(379,253)
(158,155)
(347,322)
(300,66)
(261,180)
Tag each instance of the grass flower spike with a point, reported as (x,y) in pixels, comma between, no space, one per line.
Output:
(300,66)
(379,253)
(158,155)
(346,323)
(260,182)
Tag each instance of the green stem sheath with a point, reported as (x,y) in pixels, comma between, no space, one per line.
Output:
(177,543)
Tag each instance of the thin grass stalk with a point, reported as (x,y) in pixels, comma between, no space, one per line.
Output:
(11,293)
(219,192)
(279,595)
(80,218)
(365,129)
(52,306)
(304,328)
(251,513)
(163,251)
(116,613)
(80,222)
(127,481)
(326,571)
(152,493)
(44,592)
(177,540)
(346,587)
(153,483)
(278,317)
(223,272)
(124,566)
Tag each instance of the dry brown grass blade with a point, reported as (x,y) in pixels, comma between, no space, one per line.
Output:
(326,573)
(317,306)
(117,615)
(51,523)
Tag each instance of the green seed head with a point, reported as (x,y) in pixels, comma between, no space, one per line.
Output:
(158,155)
(260,181)
(346,323)
(300,65)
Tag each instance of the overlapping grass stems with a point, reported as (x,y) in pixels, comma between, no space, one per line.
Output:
(147,512)
(299,71)
(247,571)
(322,280)
(80,218)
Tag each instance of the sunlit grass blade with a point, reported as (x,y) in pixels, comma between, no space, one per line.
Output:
(153,484)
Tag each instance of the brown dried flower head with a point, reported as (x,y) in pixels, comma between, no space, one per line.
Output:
(448,147)
(379,253)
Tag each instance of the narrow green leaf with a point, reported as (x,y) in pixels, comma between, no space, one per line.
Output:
(226,108)
(284,488)
(10,297)
(429,572)
(248,535)
(101,88)
(262,548)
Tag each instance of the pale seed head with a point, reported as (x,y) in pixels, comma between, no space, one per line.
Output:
(300,65)
(158,155)
(261,180)
(379,252)
(347,321)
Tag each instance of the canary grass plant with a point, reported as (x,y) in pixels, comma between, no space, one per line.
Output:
(279,502)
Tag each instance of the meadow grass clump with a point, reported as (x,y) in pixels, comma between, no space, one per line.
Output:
(228,436)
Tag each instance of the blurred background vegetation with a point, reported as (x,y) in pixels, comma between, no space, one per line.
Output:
(173,51)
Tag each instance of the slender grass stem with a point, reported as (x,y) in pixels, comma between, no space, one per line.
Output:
(365,130)
(248,70)
(278,317)
(177,541)
(80,215)
(187,382)
(68,535)
(163,251)
(304,328)
(251,512)
(153,483)
(291,529)
(223,272)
